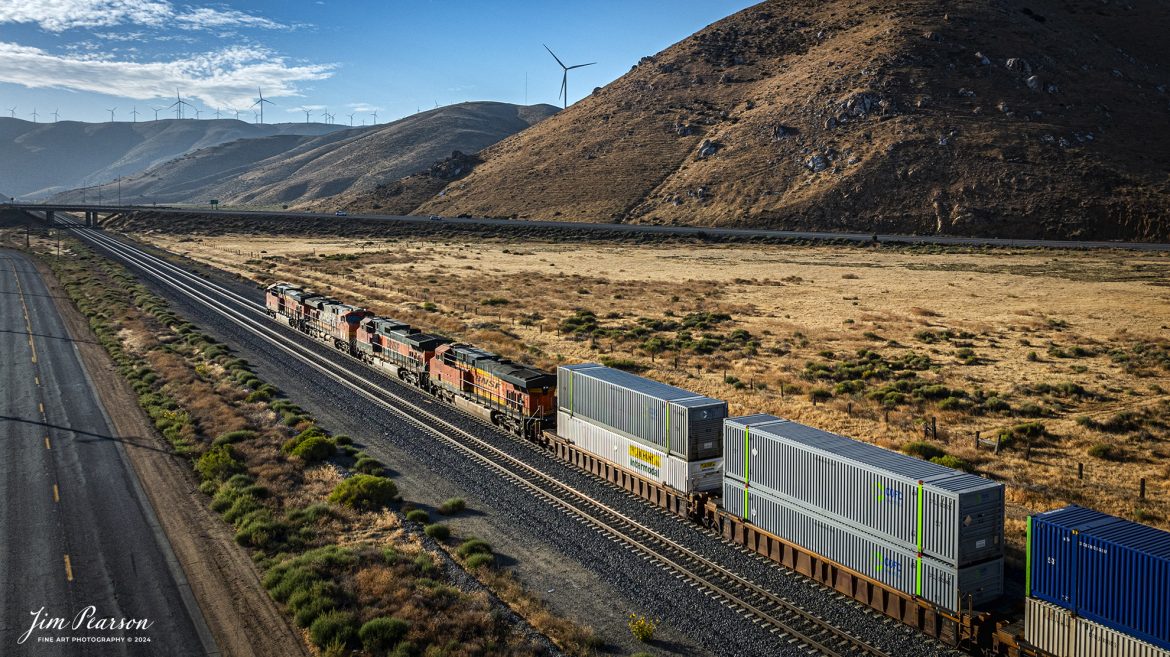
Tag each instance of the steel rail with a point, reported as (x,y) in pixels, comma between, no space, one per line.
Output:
(739,592)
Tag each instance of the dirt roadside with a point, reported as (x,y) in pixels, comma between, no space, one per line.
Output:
(243,619)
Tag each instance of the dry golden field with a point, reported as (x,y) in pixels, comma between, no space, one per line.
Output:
(1064,353)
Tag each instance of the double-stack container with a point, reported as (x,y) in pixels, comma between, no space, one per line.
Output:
(950,588)
(662,433)
(1058,631)
(676,421)
(1105,569)
(947,515)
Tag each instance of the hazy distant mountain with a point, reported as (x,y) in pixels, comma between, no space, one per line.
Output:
(40,159)
(289,169)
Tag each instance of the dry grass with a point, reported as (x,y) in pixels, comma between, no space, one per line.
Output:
(1076,313)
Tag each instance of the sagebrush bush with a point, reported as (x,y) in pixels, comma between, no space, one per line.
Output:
(333,626)
(234,437)
(473,546)
(218,463)
(381,634)
(452,506)
(364,492)
(477,561)
(419,516)
(314,449)
(438,531)
(923,450)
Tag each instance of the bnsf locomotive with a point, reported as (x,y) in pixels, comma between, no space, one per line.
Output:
(518,399)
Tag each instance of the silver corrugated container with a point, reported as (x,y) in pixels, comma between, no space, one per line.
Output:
(641,458)
(1056,630)
(1048,627)
(948,515)
(677,421)
(945,585)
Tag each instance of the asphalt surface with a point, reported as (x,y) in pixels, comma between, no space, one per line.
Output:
(635,229)
(76,530)
(695,623)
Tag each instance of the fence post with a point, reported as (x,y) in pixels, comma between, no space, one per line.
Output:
(887,416)
(1080,471)
(849,409)
(977,441)
(934,427)
(998,441)
(1142,492)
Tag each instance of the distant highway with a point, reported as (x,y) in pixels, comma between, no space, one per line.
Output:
(636,229)
(78,537)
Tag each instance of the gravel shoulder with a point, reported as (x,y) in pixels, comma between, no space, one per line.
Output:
(244,621)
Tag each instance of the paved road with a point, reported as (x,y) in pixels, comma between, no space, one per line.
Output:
(75,529)
(639,229)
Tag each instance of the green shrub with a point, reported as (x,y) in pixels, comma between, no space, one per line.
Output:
(1107,452)
(477,561)
(953,462)
(258,396)
(234,437)
(405,649)
(364,492)
(439,532)
(368,465)
(314,449)
(309,515)
(819,395)
(425,563)
(333,626)
(381,634)
(419,516)
(294,442)
(342,439)
(218,463)
(923,450)
(473,546)
(452,506)
(306,613)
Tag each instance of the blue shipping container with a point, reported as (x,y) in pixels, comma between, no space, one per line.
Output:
(1104,568)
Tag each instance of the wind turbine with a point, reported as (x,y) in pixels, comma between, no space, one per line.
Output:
(12,112)
(111,111)
(217,112)
(156,111)
(237,115)
(133,112)
(178,105)
(197,112)
(34,115)
(260,101)
(375,115)
(565,76)
(351,119)
(307,111)
(56,115)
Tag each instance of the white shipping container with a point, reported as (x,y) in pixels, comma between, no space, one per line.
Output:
(674,420)
(1056,630)
(925,507)
(640,458)
(945,585)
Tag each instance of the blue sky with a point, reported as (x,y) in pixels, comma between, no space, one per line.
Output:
(81,57)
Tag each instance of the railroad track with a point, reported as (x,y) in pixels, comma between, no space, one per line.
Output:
(780,615)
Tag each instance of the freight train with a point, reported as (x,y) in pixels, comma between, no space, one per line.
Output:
(911,539)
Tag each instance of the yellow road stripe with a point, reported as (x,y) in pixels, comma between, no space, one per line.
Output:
(37,379)
(68,569)
(47,445)
(42,407)
(56,494)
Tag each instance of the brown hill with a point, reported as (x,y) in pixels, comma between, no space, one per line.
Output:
(310,170)
(989,117)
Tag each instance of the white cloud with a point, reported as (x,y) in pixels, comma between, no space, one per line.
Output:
(363,108)
(224,78)
(61,15)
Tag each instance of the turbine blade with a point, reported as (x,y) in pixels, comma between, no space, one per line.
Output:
(580,65)
(554,55)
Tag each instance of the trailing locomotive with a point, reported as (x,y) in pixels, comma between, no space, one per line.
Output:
(518,399)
